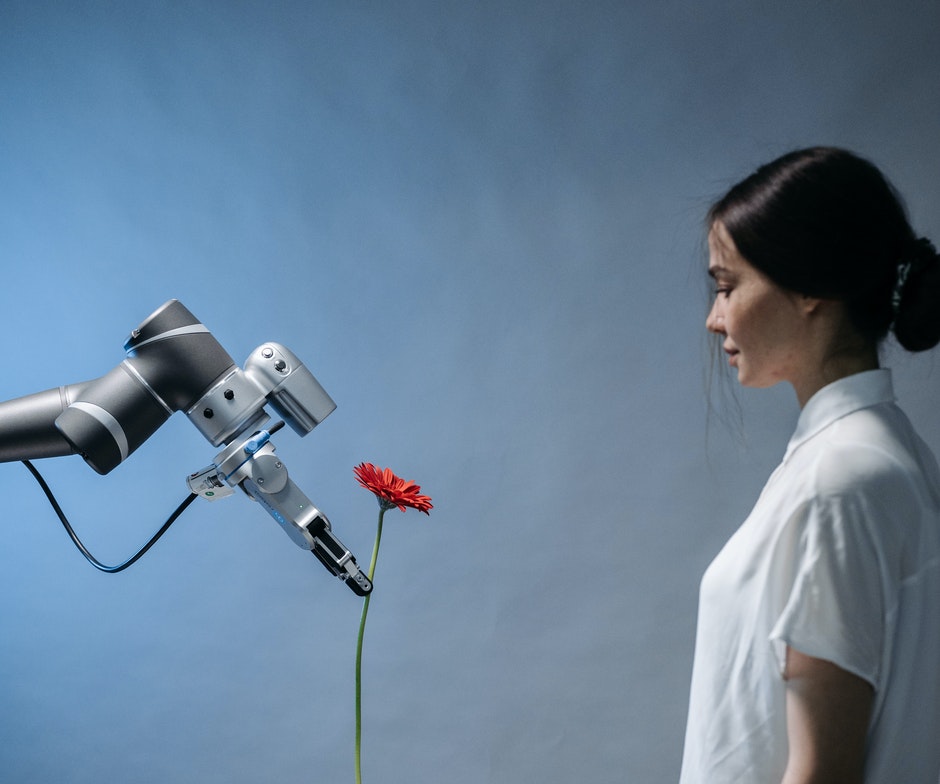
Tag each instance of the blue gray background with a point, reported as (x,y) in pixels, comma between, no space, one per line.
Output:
(480,225)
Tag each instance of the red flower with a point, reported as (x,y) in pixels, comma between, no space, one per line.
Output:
(391,490)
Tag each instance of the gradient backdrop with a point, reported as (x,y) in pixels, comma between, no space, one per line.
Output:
(480,225)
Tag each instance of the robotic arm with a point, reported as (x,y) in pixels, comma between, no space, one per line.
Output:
(173,363)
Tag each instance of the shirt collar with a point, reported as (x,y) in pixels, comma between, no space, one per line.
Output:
(838,399)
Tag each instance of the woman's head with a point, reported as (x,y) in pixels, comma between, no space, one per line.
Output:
(769,333)
(824,223)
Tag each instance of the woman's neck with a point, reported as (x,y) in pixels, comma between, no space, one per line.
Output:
(836,366)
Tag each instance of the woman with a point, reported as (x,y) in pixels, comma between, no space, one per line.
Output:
(818,645)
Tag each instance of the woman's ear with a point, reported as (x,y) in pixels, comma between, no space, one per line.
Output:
(810,305)
(804,304)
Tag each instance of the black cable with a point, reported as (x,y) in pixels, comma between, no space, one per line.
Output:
(84,551)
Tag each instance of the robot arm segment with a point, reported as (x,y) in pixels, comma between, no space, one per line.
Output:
(171,359)
(173,363)
(27,425)
(253,465)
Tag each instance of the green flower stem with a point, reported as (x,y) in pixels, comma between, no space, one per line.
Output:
(362,629)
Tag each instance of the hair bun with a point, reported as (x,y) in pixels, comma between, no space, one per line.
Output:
(915,298)
(923,253)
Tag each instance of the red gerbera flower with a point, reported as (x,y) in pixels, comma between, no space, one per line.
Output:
(391,490)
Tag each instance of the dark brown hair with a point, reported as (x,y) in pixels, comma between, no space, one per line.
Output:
(826,223)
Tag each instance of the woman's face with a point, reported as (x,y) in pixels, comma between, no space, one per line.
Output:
(763,326)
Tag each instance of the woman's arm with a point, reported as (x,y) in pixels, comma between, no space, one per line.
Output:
(828,710)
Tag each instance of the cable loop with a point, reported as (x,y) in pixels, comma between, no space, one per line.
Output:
(84,550)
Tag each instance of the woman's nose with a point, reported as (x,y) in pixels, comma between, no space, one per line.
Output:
(715,321)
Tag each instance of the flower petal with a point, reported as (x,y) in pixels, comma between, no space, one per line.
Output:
(391,490)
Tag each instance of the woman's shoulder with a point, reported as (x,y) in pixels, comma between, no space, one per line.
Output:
(875,451)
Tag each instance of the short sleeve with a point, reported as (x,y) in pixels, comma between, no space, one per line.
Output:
(827,587)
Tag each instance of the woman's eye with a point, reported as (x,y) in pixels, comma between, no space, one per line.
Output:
(726,290)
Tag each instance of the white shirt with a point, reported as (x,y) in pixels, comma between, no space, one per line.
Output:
(840,559)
